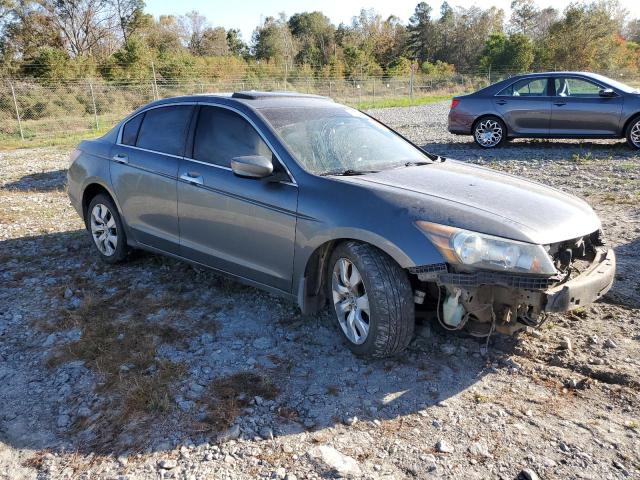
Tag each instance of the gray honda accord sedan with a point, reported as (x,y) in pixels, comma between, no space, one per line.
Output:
(548,105)
(317,201)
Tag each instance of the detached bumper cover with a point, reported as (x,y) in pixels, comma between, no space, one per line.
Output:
(585,288)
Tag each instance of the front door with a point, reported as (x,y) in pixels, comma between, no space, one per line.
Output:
(578,109)
(144,172)
(525,106)
(242,226)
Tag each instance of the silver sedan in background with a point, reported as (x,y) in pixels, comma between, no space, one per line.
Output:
(548,105)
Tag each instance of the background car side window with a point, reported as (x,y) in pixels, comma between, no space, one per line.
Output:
(222,135)
(527,87)
(130,130)
(164,129)
(576,87)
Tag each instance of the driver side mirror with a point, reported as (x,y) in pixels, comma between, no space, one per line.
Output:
(607,92)
(252,166)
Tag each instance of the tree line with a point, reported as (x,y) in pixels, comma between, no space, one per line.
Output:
(117,40)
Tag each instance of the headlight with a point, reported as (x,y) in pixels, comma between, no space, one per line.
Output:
(486,251)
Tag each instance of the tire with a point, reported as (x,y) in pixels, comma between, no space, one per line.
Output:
(633,133)
(113,246)
(390,317)
(489,132)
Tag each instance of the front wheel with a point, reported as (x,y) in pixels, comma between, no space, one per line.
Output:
(633,133)
(372,300)
(489,132)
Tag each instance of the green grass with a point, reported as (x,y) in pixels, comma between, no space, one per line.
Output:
(62,139)
(401,101)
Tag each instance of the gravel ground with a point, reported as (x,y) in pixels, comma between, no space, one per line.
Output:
(154,369)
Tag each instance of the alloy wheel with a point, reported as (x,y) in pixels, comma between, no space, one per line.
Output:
(104,229)
(634,135)
(351,301)
(488,133)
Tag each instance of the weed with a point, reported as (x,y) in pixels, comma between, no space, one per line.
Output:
(229,395)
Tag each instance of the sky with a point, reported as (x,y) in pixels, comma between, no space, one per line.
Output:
(247,14)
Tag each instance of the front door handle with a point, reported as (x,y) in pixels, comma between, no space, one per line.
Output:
(559,104)
(501,102)
(193,178)
(121,158)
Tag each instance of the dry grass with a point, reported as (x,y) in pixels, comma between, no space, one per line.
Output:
(227,396)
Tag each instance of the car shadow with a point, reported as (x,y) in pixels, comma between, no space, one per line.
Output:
(57,396)
(537,148)
(40,182)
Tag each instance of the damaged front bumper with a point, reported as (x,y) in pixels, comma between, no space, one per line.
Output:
(486,300)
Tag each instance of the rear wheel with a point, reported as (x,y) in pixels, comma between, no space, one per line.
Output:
(489,132)
(106,229)
(633,133)
(372,299)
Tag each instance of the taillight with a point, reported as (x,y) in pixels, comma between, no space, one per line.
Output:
(454,103)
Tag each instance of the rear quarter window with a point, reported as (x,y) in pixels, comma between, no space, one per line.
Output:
(164,129)
(130,130)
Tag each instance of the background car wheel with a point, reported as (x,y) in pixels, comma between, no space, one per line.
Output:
(106,229)
(372,299)
(489,132)
(633,133)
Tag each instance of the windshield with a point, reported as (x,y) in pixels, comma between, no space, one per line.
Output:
(336,139)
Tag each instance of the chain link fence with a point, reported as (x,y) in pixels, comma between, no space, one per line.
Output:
(31,109)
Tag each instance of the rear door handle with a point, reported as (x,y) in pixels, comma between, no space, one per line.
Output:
(121,158)
(193,178)
(501,102)
(559,104)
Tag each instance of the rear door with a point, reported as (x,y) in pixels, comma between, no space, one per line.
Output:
(144,172)
(525,106)
(578,109)
(242,226)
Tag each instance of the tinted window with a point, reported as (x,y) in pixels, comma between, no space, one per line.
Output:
(536,87)
(164,129)
(576,87)
(130,130)
(222,135)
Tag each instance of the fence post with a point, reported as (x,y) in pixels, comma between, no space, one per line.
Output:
(154,87)
(95,110)
(411,80)
(15,103)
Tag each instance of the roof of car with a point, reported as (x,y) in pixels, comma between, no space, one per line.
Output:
(255,99)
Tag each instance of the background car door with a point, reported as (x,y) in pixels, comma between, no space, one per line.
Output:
(578,108)
(525,106)
(144,172)
(239,225)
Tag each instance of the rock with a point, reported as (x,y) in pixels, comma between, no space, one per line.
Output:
(350,420)
(330,458)
(444,447)
(230,434)
(63,420)
(167,464)
(280,473)
(608,343)
(528,474)
(266,433)
(74,303)
(290,476)
(262,343)
(68,293)
(480,449)
(448,349)
(549,463)
(565,344)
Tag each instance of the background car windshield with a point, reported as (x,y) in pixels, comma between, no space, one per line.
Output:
(336,139)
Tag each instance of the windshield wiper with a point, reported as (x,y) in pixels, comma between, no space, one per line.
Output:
(349,172)
(416,164)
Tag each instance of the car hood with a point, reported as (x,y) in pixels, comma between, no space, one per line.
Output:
(484,200)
